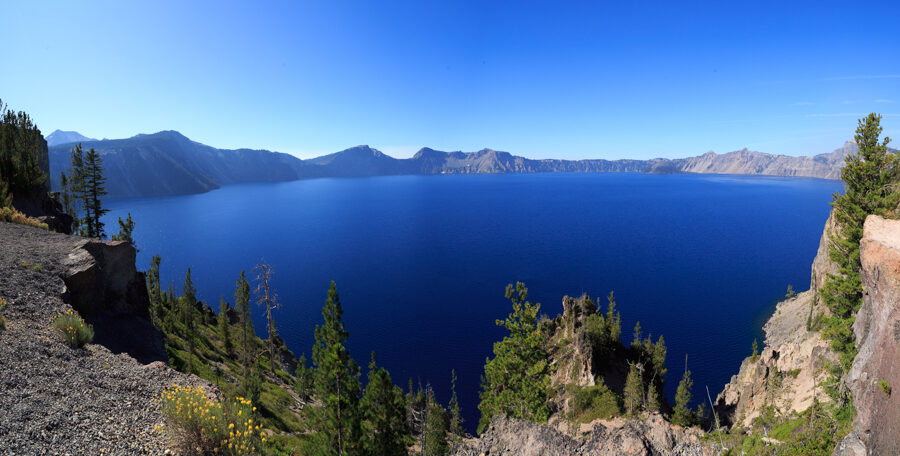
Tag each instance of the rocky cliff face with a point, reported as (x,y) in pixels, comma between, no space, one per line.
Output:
(58,400)
(787,373)
(790,369)
(650,437)
(876,369)
(826,166)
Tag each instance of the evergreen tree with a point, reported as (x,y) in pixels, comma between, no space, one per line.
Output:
(188,315)
(157,310)
(242,304)
(517,379)
(336,384)
(251,384)
(383,407)
(80,196)
(870,187)
(681,414)
(455,416)
(653,402)
(5,195)
(126,228)
(66,199)
(434,435)
(637,342)
(613,320)
(755,354)
(23,158)
(94,189)
(304,376)
(224,327)
(634,390)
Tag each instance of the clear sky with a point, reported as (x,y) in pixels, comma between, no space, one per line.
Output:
(554,79)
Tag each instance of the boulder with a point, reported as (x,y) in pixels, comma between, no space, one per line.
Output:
(103,285)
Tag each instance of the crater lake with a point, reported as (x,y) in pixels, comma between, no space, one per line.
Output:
(421,262)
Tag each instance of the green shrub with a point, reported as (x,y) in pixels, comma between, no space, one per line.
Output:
(74,331)
(2,318)
(885,386)
(205,426)
(593,402)
(37,267)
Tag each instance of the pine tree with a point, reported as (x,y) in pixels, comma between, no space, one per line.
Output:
(304,376)
(80,197)
(653,403)
(681,414)
(455,416)
(336,384)
(434,434)
(871,187)
(242,304)
(637,342)
(755,351)
(157,310)
(383,407)
(126,228)
(66,199)
(94,190)
(634,390)
(22,154)
(613,320)
(516,381)
(224,326)
(188,315)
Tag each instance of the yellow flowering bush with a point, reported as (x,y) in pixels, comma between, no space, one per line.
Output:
(74,331)
(204,426)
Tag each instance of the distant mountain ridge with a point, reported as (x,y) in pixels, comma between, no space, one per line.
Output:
(168,163)
(65,137)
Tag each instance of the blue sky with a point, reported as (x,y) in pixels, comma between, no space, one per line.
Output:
(553,79)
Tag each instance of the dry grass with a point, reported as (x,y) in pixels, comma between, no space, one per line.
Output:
(9,214)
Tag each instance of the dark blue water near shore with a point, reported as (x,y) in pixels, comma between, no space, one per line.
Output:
(421,262)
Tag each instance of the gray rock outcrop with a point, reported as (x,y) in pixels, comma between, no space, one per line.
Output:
(652,436)
(59,400)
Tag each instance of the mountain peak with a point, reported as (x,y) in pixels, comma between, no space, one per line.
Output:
(65,137)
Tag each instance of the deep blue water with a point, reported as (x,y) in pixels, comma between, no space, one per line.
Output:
(421,262)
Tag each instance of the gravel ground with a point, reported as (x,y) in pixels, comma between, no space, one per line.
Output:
(55,400)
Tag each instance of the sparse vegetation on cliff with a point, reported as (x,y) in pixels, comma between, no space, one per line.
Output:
(204,426)
(73,329)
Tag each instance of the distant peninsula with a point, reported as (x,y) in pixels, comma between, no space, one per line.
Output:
(168,163)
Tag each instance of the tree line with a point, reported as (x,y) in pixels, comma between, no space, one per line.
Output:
(23,155)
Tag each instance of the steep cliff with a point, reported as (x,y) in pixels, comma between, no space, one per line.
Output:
(876,369)
(59,400)
(790,370)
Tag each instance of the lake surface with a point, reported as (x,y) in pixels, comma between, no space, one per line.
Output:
(421,262)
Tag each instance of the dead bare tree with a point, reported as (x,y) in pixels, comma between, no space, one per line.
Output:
(267,297)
